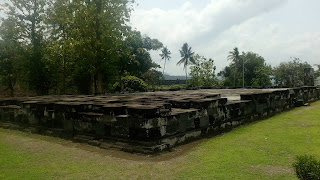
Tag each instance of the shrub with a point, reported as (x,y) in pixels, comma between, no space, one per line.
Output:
(307,168)
(131,83)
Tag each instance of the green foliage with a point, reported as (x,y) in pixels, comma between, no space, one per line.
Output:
(307,168)
(317,72)
(262,76)
(202,73)
(95,30)
(153,78)
(187,57)
(256,71)
(131,83)
(226,83)
(11,58)
(29,17)
(294,68)
(134,56)
(234,56)
(73,46)
(166,56)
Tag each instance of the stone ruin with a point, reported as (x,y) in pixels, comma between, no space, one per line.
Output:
(148,122)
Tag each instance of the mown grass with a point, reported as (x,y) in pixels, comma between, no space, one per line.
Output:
(264,150)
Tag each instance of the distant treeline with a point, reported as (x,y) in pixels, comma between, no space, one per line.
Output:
(88,47)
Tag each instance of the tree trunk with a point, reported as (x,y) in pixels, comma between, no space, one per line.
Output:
(11,87)
(64,77)
(99,82)
(121,83)
(98,75)
(164,67)
(186,75)
(243,72)
(163,79)
(234,79)
(92,85)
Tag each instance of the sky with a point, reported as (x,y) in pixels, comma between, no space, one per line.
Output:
(274,29)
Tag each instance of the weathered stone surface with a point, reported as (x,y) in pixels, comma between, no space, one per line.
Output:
(152,121)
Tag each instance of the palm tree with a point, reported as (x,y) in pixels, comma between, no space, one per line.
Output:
(234,57)
(187,56)
(166,56)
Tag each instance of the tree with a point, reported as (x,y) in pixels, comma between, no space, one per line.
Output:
(234,57)
(226,75)
(152,77)
(11,54)
(262,76)
(134,56)
(29,17)
(254,64)
(203,72)
(317,72)
(94,30)
(257,71)
(166,56)
(60,50)
(290,73)
(317,75)
(85,44)
(187,58)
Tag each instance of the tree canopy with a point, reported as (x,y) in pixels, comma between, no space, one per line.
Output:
(290,73)
(67,46)
(165,55)
(203,72)
(186,57)
(88,47)
(256,71)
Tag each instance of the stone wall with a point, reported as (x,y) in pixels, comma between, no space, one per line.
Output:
(148,122)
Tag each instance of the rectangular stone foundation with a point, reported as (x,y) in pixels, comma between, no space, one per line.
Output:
(148,122)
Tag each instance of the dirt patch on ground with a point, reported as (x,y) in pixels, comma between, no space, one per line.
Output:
(306,109)
(273,169)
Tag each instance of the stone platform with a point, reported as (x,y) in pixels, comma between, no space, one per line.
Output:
(148,122)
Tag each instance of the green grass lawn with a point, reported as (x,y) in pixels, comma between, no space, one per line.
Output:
(264,150)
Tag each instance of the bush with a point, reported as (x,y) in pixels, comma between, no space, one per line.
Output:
(131,83)
(307,168)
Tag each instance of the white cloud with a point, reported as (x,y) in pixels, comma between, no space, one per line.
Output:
(221,25)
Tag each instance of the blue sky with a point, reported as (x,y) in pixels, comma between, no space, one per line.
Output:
(275,29)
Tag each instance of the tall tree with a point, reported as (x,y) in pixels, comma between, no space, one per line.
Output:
(257,71)
(187,58)
(227,76)
(235,58)
(165,55)
(203,72)
(134,56)
(11,59)
(317,75)
(290,73)
(262,76)
(317,72)
(60,51)
(95,30)
(234,55)
(30,16)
